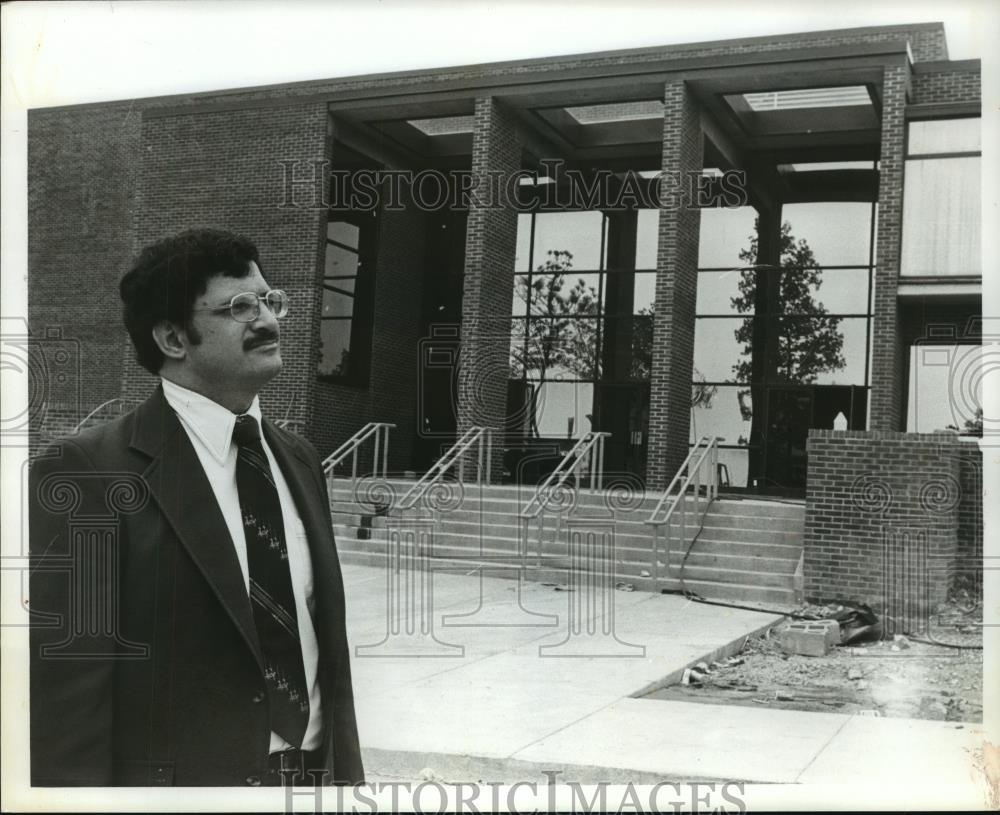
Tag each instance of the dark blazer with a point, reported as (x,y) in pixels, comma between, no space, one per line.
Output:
(145,666)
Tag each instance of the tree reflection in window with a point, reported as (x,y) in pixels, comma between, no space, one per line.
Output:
(807,341)
(557,339)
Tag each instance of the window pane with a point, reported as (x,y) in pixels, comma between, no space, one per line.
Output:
(717,290)
(820,350)
(578,233)
(837,232)
(337,304)
(945,136)
(724,233)
(942,217)
(722,411)
(627,349)
(340,261)
(564,294)
(561,348)
(563,409)
(522,259)
(734,466)
(644,293)
(647,238)
(840,291)
(334,349)
(518,349)
(934,370)
(717,349)
(519,304)
(343,232)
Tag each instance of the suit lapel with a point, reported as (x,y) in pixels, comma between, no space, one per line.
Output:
(178,482)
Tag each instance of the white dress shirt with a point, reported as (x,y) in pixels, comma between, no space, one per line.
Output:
(210,427)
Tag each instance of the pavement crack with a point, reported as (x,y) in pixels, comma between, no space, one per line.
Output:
(823,748)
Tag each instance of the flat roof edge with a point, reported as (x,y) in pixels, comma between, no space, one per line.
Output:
(677,50)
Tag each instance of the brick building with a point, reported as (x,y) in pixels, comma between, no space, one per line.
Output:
(759,240)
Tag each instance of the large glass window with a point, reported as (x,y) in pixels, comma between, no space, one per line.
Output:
(345,316)
(776,330)
(942,216)
(578,315)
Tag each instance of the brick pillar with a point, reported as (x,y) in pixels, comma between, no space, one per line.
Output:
(491,237)
(887,360)
(676,285)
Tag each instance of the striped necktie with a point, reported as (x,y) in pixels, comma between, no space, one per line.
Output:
(271,596)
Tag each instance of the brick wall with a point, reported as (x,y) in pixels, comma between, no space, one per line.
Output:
(869,490)
(491,236)
(947,84)
(887,356)
(222,170)
(676,288)
(970,507)
(83,171)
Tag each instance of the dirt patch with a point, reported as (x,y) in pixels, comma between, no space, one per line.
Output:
(897,678)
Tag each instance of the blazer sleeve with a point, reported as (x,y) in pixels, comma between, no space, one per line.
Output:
(71,648)
(347,762)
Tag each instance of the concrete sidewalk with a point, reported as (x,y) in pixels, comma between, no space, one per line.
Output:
(486,688)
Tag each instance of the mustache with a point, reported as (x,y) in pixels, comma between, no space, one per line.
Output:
(261,338)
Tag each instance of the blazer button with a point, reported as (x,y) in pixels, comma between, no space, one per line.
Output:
(253,780)
(258,697)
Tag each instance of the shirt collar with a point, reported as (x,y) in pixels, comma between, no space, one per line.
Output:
(211,422)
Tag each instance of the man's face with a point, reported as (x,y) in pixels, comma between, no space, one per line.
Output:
(224,355)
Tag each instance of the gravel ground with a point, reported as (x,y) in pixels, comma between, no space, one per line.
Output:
(894,677)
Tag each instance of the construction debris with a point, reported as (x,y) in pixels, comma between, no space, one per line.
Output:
(874,679)
(811,639)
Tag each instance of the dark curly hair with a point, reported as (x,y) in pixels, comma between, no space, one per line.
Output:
(167,277)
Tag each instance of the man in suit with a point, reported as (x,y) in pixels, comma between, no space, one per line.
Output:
(187,601)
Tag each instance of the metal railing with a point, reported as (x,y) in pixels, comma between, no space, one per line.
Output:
(481,438)
(587,455)
(379,431)
(699,470)
(106,411)
(292,425)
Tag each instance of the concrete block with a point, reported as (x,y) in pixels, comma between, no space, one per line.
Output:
(810,638)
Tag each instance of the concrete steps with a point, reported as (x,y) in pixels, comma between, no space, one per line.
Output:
(748,550)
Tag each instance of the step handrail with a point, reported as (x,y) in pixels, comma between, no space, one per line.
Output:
(119,403)
(690,472)
(571,462)
(380,431)
(482,437)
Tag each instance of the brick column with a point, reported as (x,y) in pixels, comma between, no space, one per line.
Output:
(887,360)
(491,236)
(676,286)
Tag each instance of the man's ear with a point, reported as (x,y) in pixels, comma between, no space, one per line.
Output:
(169,340)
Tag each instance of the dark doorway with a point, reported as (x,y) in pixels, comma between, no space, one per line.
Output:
(623,411)
(440,330)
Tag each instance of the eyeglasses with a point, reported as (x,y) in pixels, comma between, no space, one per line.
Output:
(245,307)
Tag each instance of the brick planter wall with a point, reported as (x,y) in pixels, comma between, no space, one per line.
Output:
(883,517)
